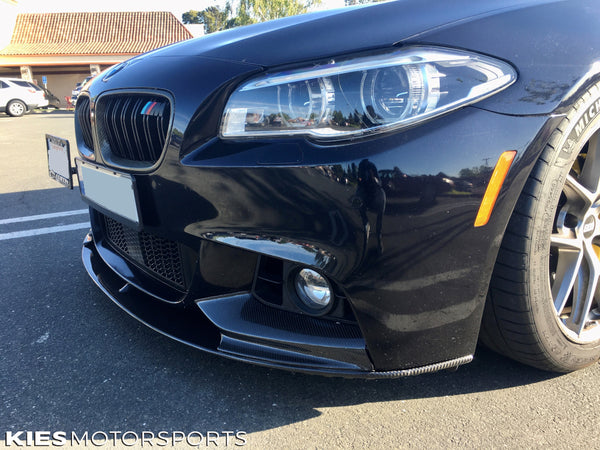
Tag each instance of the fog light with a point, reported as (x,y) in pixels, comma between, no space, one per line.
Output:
(313,290)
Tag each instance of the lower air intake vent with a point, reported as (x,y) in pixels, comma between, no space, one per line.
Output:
(160,256)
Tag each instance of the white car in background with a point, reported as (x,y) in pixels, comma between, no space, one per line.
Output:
(18,96)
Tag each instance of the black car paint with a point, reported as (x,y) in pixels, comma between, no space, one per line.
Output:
(418,287)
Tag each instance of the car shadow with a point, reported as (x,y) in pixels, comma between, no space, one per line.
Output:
(185,389)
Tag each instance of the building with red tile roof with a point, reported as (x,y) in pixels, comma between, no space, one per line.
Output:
(67,47)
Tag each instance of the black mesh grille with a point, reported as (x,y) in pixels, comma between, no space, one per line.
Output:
(160,256)
(82,112)
(133,127)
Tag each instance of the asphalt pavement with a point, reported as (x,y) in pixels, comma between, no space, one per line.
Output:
(72,361)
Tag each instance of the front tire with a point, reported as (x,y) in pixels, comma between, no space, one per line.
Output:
(16,108)
(543,305)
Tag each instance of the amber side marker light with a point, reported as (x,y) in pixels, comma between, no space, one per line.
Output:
(494,186)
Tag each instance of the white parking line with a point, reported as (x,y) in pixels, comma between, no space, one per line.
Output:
(46,230)
(76,212)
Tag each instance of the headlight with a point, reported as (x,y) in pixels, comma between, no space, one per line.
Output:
(363,95)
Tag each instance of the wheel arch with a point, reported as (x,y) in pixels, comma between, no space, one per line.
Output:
(16,99)
(515,322)
(579,88)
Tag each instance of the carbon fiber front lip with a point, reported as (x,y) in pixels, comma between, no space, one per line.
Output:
(191,321)
(451,364)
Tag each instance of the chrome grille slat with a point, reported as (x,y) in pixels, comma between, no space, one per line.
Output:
(137,143)
(148,139)
(122,115)
(161,129)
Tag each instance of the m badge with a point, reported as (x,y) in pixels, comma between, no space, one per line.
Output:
(155,109)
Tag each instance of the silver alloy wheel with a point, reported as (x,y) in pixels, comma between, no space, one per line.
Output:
(575,248)
(16,108)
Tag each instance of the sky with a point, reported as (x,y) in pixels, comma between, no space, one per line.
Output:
(9,11)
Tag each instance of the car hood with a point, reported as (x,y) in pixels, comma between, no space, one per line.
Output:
(333,32)
(548,54)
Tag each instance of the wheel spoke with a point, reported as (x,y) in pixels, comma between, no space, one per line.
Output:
(590,174)
(576,188)
(565,242)
(567,270)
(585,290)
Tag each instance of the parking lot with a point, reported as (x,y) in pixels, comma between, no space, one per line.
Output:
(73,361)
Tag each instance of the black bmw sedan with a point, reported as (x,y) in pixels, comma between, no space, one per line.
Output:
(361,192)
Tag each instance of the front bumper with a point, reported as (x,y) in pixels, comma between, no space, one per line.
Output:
(235,326)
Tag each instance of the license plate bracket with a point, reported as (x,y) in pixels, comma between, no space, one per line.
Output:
(59,160)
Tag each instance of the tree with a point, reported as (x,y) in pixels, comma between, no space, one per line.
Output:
(190,17)
(248,11)
(359,2)
(263,10)
(213,18)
